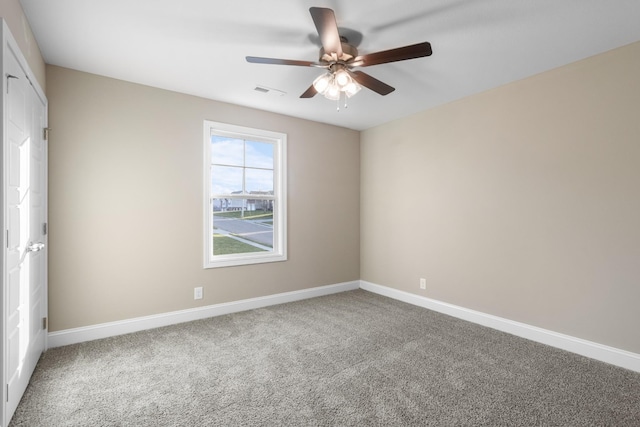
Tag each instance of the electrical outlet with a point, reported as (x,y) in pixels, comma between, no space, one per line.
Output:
(423,283)
(197,292)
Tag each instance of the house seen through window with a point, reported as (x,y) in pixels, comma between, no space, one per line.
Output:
(245,181)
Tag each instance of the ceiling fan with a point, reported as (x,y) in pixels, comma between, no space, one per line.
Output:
(339,58)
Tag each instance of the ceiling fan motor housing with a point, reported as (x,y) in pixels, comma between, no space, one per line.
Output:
(348,52)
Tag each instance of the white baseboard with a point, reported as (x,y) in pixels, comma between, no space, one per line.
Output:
(612,355)
(603,353)
(105,330)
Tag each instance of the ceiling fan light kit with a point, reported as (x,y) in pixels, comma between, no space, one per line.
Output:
(336,82)
(339,58)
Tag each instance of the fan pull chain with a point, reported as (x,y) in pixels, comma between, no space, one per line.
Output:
(338,102)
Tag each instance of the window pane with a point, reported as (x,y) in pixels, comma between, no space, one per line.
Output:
(227,151)
(226,180)
(259,155)
(259,181)
(242,226)
(243,167)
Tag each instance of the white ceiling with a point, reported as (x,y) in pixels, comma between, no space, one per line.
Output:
(198,47)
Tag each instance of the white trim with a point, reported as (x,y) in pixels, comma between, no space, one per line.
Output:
(603,353)
(12,45)
(105,330)
(279,141)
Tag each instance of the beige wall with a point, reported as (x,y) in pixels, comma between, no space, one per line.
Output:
(125,210)
(12,12)
(522,202)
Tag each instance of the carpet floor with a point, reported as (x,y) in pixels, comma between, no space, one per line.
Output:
(350,359)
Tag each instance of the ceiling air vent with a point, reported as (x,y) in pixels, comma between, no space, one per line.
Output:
(268,90)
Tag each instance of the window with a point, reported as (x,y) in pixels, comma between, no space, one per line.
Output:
(245,195)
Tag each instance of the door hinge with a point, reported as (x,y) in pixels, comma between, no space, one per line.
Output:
(44,228)
(45,133)
(45,323)
(7,392)
(7,239)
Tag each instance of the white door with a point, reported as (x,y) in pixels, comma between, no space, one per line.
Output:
(25,212)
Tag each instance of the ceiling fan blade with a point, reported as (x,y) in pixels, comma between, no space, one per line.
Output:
(372,83)
(392,55)
(276,61)
(327,27)
(309,93)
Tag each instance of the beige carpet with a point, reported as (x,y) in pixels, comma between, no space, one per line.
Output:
(351,359)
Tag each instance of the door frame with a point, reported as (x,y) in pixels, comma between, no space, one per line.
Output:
(9,46)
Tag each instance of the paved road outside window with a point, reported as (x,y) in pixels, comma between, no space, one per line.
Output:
(252,230)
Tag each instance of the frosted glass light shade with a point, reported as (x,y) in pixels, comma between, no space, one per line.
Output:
(351,89)
(322,82)
(332,92)
(342,78)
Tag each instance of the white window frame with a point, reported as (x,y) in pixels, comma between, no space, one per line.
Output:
(279,141)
